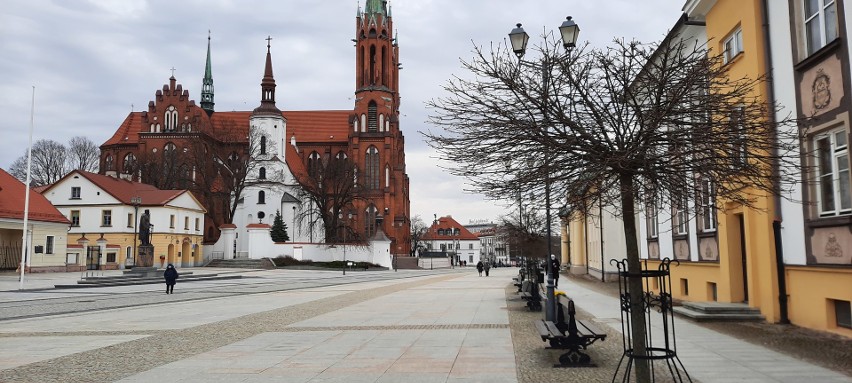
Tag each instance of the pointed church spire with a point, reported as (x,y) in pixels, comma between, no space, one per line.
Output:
(207,83)
(267,86)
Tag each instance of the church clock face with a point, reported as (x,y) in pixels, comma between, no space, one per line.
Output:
(821,92)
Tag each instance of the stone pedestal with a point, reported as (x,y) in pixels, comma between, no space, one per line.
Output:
(145,257)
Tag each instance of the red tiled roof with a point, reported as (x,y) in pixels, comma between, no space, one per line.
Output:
(447,223)
(307,126)
(12,196)
(123,190)
(318,126)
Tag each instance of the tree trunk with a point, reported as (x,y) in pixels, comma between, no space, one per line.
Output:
(634,281)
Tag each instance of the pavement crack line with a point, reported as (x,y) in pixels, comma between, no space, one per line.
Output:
(118,361)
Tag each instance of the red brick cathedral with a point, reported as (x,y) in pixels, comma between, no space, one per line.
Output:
(153,146)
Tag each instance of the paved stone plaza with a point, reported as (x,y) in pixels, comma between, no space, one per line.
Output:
(317,326)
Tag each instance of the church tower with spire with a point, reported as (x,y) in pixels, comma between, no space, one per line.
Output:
(207,83)
(376,142)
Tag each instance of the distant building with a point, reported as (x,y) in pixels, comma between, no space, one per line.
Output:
(47,227)
(448,236)
(104,220)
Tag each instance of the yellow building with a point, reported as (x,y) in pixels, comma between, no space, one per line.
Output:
(789,256)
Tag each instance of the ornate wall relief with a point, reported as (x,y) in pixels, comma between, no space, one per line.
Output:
(831,246)
(681,249)
(708,249)
(822,87)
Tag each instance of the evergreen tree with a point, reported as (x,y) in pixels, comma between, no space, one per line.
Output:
(279,229)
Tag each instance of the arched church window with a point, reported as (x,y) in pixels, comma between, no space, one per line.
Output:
(373,67)
(387,175)
(370,222)
(341,156)
(372,118)
(384,58)
(262,144)
(171,118)
(184,177)
(108,162)
(371,168)
(261,173)
(314,164)
(128,165)
(261,198)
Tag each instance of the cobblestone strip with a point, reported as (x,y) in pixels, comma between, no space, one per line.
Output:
(118,361)
(535,364)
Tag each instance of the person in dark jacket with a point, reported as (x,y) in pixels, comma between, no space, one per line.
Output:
(479,267)
(554,264)
(171,275)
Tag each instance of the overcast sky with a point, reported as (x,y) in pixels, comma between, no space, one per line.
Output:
(94,61)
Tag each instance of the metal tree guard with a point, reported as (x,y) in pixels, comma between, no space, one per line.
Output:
(660,357)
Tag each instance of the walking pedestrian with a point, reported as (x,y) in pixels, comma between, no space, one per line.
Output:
(487,268)
(554,264)
(171,275)
(479,267)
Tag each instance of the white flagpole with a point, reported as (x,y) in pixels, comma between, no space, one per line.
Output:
(24,246)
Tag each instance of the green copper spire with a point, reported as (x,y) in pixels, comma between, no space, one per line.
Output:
(376,7)
(207,84)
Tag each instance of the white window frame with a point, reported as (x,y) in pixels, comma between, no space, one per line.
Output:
(835,175)
(106,218)
(48,244)
(653,220)
(75,192)
(680,216)
(707,195)
(732,45)
(826,11)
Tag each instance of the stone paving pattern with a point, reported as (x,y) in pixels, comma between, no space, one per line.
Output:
(304,326)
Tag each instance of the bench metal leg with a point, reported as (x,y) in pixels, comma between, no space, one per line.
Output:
(575,358)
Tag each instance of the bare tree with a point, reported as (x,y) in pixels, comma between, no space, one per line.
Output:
(82,154)
(418,230)
(329,189)
(614,127)
(48,163)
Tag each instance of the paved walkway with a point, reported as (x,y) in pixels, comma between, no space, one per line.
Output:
(408,326)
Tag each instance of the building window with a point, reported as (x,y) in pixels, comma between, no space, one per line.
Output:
(843,314)
(733,45)
(172,221)
(261,197)
(48,244)
(186,223)
(653,220)
(739,153)
(372,117)
(197,224)
(129,164)
(109,163)
(833,194)
(110,257)
(75,218)
(470,246)
(129,220)
(707,204)
(262,144)
(171,118)
(106,218)
(370,222)
(261,173)
(679,225)
(820,23)
(371,165)
(314,164)
(75,192)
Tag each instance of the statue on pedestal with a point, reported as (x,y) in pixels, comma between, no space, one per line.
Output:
(145,229)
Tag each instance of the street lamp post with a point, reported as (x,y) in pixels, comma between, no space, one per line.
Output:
(345,229)
(135,201)
(519,39)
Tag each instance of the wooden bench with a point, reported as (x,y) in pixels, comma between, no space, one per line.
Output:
(531,294)
(568,333)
